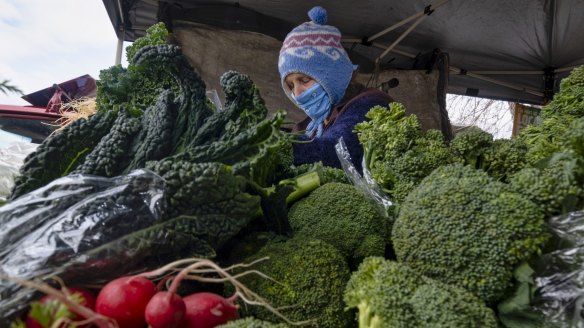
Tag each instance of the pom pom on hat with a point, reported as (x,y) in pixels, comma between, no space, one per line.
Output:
(318,15)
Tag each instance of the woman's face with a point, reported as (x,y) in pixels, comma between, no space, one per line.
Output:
(298,82)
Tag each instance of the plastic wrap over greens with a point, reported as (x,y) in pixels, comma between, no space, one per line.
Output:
(559,275)
(365,182)
(65,228)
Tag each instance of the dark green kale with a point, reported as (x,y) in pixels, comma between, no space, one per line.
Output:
(111,155)
(154,140)
(62,152)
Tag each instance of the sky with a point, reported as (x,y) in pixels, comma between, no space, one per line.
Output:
(52,41)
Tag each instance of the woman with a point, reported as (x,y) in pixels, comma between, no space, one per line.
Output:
(316,74)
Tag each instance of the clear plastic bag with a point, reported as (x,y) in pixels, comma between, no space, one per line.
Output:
(549,291)
(559,274)
(11,158)
(364,182)
(70,227)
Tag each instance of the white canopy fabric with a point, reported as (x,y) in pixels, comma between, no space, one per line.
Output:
(509,50)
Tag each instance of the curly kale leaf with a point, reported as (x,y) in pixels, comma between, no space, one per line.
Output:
(244,108)
(111,154)
(194,188)
(154,140)
(193,108)
(62,152)
(156,34)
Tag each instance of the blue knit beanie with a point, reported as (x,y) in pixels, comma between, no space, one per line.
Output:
(315,49)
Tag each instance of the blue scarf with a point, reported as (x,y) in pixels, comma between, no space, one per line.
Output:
(316,103)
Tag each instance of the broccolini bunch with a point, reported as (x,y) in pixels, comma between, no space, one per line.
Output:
(396,150)
(558,118)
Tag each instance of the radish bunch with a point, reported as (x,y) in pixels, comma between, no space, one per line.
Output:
(136,301)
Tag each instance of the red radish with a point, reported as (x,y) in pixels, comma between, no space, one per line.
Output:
(208,310)
(165,310)
(124,300)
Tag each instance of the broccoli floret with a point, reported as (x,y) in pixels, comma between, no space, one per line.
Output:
(397,152)
(428,152)
(250,322)
(386,136)
(504,158)
(343,216)
(390,294)
(309,277)
(464,228)
(555,188)
(470,146)
(556,184)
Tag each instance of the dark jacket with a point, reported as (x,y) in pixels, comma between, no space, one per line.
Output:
(340,123)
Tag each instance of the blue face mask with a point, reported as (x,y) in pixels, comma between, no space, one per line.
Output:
(316,103)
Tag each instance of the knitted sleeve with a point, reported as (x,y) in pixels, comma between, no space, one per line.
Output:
(323,148)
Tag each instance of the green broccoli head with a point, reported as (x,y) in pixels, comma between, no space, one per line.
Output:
(309,277)
(464,228)
(504,158)
(428,152)
(250,322)
(556,188)
(390,294)
(470,145)
(343,216)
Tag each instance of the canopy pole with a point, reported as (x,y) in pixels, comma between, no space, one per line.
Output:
(427,10)
(501,83)
(119,51)
(401,37)
(120,33)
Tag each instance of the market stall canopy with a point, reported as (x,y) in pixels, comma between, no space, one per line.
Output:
(509,50)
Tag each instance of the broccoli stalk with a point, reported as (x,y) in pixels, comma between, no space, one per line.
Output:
(276,199)
(367,317)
